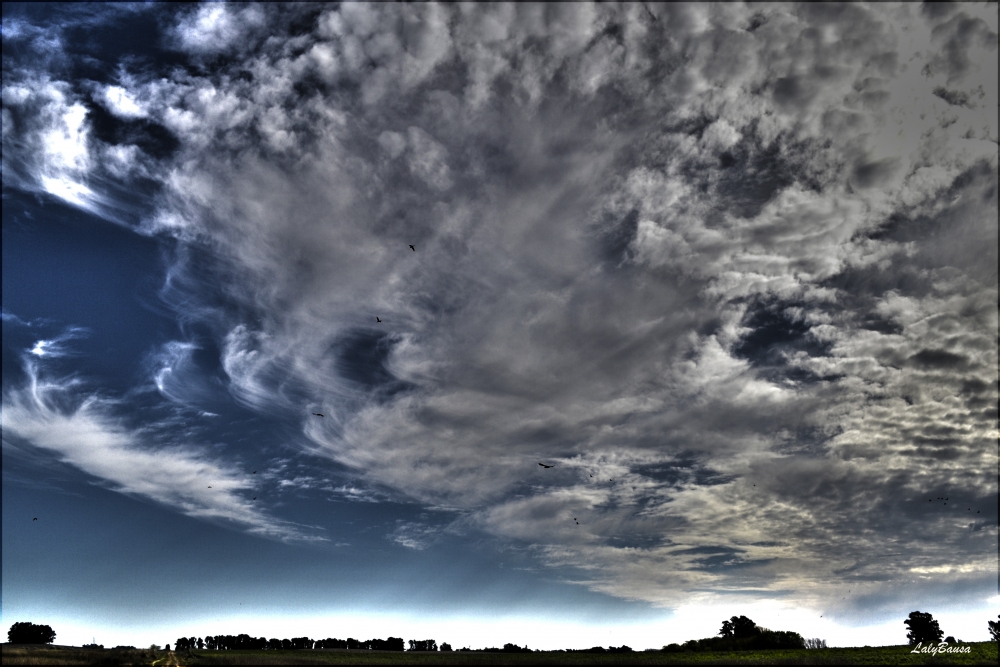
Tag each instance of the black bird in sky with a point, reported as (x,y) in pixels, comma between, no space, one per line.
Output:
(377,319)
(255,472)
(544,466)
(413,249)
(255,497)
(35,519)
(318,414)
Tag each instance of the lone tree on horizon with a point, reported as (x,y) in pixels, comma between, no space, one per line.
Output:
(994,627)
(29,633)
(922,628)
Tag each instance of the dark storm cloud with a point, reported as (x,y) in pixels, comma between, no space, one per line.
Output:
(738,284)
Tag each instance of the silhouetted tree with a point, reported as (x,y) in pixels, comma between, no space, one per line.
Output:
(201,644)
(739,627)
(816,643)
(423,645)
(166,647)
(994,627)
(29,633)
(922,628)
(445,646)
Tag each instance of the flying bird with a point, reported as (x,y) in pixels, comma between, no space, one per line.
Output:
(413,249)
(319,414)
(210,487)
(255,472)
(544,466)
(255,497)
(35,519)
(377,319)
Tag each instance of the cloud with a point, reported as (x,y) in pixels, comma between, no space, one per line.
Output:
(85,433)
(732,271)
(56,347)
(413,535)
(121,103)
(49,134)
(215,29)
(180,378)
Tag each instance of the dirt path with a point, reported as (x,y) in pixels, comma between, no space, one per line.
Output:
(169,661)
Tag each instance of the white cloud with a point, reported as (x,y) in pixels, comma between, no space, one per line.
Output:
(56,347)
(90,438)
(54,141)
(121,103)
(216,28)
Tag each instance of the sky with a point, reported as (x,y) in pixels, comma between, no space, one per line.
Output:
(297,297)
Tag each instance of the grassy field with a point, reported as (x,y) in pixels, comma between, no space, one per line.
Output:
(983,653)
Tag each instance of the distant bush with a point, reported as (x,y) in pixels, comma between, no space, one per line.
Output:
(29,633)
(514,648)
(95,647)
(445,646)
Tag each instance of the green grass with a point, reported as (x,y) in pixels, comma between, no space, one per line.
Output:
(61,655)
(983,653)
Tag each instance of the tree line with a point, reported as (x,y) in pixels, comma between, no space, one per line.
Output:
(246,642)
(737,633)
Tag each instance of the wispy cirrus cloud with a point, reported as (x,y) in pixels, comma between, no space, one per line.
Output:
(57,346)
(84,431)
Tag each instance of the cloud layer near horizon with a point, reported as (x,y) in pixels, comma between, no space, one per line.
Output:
(731,270)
